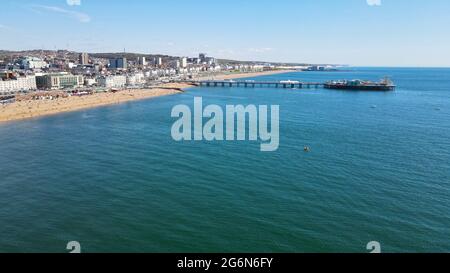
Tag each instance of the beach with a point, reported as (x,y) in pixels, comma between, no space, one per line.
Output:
(25,108)
(229,76)
(34,108)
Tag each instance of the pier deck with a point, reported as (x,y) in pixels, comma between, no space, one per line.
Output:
(255,84)
(344,85)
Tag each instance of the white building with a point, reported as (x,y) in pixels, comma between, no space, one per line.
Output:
(158,61)
(257,68)
(152,73)
(142,61)
(19,84)
(115,81)
(90,82)
(184,62)
(194,69)
(29,63)
(136,79)
(183,71)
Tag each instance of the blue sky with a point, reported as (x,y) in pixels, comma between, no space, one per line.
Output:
(355,32)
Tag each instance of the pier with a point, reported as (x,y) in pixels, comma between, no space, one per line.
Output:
(258,84)
(357,85)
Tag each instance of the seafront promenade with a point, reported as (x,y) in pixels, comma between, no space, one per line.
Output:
(24,108)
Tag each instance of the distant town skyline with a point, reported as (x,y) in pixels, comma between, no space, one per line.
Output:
(354,32)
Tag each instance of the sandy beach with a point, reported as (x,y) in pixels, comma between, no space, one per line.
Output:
(25,108)
(229,76)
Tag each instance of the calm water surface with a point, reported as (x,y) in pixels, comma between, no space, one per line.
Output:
(113,179)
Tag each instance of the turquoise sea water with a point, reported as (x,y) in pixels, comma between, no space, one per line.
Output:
(113,179)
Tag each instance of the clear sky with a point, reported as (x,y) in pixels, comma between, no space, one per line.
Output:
(355,32)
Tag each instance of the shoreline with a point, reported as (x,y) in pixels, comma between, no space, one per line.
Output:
(230,76)
(27,109)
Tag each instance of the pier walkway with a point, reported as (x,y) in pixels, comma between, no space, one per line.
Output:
(254,84)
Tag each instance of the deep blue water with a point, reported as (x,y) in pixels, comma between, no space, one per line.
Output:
(113,179)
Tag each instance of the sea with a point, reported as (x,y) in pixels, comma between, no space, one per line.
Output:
(113,179)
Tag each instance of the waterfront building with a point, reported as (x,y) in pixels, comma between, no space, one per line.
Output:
(113,81)
(12,83)
(90,81)
(119,63)
(59,80)
(135,79)
(84,59)
(258,68)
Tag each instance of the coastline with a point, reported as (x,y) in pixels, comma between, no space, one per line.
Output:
(27,109)
(230,76)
